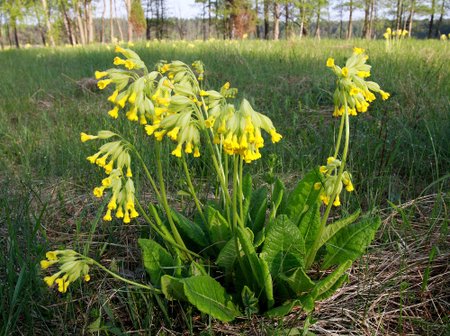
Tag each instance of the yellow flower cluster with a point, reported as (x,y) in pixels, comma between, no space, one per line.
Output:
(170,103)
(353,92)
(399,33)
(239,132)
(120,183)
(125,95)
(71,267)
(330,175)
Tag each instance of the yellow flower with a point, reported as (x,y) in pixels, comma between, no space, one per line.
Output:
(51,255)
(276,137)
(196,152)
(324,198)
(177,151)
(363,74)
(330,62)
(345,71)
(50,280)
(100,74)
(118,61)
(165,68)
(173,134)
(129,172)
(358,51)
(349,187)
(150,129)
(159,135)
(113,97)
(63,284)
(107,216)
(132,98)
(119,213)
(103,83)
(330,160)
(129,64)
(46,263)
(323,169)
(384,95)
(354,91)
(114,113)
(109,167)
(337,201)
(98,191)
(188,149)
(87,277)
(317,185)
(122,101)
(119,49)
(86,137)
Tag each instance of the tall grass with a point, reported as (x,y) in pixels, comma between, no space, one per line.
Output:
(400,151)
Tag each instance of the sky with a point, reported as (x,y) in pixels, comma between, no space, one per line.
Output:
(183,8)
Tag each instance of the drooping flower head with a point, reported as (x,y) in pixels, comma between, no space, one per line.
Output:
(353,92)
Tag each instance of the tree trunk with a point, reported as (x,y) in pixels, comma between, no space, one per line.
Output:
(90,22)
(209,19)
(317,33)
(350,22)
(67,24)
(266,19)
(48,23)
(286,20)
(430,26)
(258,28)
(16,34)
(398,15)
(130,24)
(119,27)
(441,16)
(80,25)
(111,21)
(1,32)
(276,21)
(366,30)
(371,18)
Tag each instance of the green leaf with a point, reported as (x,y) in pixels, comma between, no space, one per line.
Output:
(303,197)
(210,297)
(218,227)
(331,229)
(309,225)
(259,267)
(327,283)
(277,196)
(299,281)
(190,229)
(283,248)
(249,301)
(258,208)
(227,255)
(247,194)
(338,284)
(157,261)
(282,310)
(173,288)
(350,242)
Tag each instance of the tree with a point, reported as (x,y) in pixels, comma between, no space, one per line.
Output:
(137,17)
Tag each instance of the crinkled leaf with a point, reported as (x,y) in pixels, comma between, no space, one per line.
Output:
(350,242)
(298,281)
(217,226)
(227,255)
(157,261)
(247,194)
(303,197)
(258,208)
(208,296)
(277,197)
(249,301)
(327,283)
(338,284)
(259,267)
(190,229)
(283,248)
(309,225)
(283,310)
(331,229)
(173,288)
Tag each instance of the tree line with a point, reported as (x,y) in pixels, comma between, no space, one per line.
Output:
(53,22)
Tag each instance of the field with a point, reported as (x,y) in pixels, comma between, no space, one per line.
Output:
(400,161)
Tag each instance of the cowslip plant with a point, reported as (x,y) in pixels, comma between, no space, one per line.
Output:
(247,249)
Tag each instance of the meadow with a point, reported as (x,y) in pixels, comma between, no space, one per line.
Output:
(400,161)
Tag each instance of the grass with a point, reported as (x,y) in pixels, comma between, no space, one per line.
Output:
(400,160)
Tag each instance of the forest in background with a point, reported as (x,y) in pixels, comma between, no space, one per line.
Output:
(59,22)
